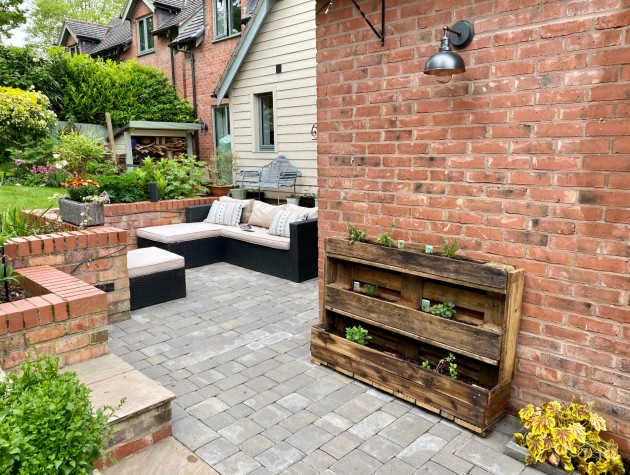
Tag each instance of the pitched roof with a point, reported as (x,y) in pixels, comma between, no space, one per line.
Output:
(82,29)
(263,7)
(119,34)
(190,8)
(173,4)
(193,29)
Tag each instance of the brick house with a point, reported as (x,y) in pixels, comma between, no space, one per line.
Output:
(270,80)
(190,40)
(525,158)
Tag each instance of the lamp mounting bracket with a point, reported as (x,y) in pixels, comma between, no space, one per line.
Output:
(463,32)
(381,35)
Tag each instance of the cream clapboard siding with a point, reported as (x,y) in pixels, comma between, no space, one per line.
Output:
(287,38)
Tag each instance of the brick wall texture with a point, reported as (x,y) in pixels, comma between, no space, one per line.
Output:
(525,158)
(210,61)
(65,317)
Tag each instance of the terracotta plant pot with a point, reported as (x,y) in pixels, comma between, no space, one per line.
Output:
(220,190)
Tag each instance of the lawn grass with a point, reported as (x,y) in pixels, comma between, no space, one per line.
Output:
(27,197)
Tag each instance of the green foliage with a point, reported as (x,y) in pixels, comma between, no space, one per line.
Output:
(568,436)
(449,248)
(358,335)
(24,68)
(46,16)
(16,223)
(426,365)
(83,193)
(447,365)
(355,234)
(127,187)
(127,90)
(371,290)
(182,177)
(47,425)
(24,116)
(223,167)
(11,16)
(384,239)
(75,150)
(7,274)
(444,310)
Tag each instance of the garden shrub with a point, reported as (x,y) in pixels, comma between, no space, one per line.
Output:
(75,150)
(128,91)
(47,424)
(127,187)
(24,116)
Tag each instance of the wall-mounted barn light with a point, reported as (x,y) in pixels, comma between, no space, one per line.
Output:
(445,62)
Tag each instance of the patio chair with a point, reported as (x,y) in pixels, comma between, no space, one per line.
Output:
(278,173)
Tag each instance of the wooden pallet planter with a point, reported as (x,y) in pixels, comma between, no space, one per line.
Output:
(483,334)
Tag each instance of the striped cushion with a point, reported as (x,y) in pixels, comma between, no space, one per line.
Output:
(225,213)
(282,219)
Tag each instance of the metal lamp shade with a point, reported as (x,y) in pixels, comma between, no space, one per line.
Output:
(445,63)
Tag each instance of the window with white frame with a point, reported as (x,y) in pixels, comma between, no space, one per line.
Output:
(221,123)
(74,49)
(227,18)
(265,115)
(145,35)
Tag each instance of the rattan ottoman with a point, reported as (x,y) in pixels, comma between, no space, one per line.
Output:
(155,276)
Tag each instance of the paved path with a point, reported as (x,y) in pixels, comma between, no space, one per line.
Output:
(249,401)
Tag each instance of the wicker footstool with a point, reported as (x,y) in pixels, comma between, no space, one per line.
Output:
(155,276)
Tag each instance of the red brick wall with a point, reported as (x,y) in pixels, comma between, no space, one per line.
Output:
(525,159)
(66,317)
(210,61)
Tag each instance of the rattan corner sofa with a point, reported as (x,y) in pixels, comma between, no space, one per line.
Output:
(201,243)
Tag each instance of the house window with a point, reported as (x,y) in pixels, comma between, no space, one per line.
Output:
(227,18)
(145,35)
(221,123)
(74,49)
(266,138)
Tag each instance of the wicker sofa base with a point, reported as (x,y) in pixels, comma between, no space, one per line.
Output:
(199,252)
(152,289)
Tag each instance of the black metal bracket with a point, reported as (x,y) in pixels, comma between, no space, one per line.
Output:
(380,35)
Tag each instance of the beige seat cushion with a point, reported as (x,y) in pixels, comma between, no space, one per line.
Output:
(180,232)
(260,236)
(150,260)
(263,213)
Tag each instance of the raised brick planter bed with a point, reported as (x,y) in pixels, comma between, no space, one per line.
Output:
(66,317)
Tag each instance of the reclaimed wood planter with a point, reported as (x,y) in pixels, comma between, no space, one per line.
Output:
(81,214)
(482,335)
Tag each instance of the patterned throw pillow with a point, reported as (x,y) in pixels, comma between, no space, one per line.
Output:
(225,213)
(282,219)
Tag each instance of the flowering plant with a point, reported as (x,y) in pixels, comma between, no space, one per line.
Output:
(84,190)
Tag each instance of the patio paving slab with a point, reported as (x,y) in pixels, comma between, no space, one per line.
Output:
(250,402)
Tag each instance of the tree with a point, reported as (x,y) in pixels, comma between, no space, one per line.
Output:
(46,17)
(11,16)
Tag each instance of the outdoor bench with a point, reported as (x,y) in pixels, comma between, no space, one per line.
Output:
(280,172)
(201,243)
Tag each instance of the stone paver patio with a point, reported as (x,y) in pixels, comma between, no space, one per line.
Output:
(249,401)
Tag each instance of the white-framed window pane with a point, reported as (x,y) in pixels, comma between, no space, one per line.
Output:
(266,126)
(149,30)
(142,36)
(145,34)
(235,17)
(221,123)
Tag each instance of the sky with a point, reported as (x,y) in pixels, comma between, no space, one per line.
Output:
(18,35)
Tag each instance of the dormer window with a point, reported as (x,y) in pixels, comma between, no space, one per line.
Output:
(227,18)
(74,50)
(145,35)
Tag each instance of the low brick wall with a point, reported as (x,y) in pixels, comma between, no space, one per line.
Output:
(96,256)
(132,216)
(65,317)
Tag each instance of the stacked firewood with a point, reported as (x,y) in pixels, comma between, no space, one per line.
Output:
(161,147)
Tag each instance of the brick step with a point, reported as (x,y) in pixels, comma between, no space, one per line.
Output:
(145,417)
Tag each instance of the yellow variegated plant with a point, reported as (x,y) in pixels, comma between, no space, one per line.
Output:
(568,436)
